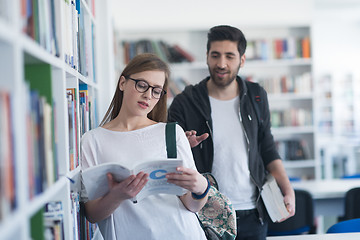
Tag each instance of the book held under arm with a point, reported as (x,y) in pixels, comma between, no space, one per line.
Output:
(274,200)
(96,182)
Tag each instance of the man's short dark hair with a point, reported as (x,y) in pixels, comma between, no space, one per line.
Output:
(225,32)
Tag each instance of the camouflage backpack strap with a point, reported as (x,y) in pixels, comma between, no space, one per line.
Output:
(217,217)
(211,180)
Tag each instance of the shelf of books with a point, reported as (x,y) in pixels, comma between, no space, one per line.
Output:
(183,50)
(48,90)
(278,57)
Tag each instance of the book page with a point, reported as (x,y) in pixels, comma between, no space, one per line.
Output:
(157,181)
(95,180)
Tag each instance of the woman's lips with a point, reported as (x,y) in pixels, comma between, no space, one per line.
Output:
(143,105)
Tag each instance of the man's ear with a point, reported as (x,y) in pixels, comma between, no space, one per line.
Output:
(122,81)
(242,60)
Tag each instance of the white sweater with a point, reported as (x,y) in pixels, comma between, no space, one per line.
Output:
(155,217)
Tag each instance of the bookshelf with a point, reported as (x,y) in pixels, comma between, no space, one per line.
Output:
(279,58)
(338,124)
(47,48)
(337,90)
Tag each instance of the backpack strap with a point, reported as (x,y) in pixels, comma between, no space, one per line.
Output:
(254,95)
(170,132)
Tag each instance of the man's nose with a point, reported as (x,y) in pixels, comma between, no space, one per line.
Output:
(221,63)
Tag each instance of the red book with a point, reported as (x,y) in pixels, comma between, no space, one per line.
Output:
(6,152)
(278,48)
(184,53)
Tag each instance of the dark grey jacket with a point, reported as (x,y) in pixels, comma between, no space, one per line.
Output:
(191,109)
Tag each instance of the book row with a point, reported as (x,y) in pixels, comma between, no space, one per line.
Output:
(284,48)
(293,149)
(301,83)
(48,222)
(338,100)
(42,161)
(42,22)
(176,86)
(292,117)
(81,118)
(169,53)
(41,148)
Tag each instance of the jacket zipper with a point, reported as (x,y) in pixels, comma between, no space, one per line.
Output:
(251,177)
(207,124)
(210,131)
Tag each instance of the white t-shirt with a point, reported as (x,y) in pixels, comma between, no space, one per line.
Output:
(231,164)
(159,216)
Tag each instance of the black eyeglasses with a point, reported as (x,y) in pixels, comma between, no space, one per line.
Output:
(142,86)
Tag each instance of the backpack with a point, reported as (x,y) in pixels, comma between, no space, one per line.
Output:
(217,218)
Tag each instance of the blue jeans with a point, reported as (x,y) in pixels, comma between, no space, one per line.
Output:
(249,226)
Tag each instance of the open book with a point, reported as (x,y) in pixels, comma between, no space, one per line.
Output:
(274,200)
(96,183)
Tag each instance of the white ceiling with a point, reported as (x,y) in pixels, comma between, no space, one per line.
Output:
(199,14)
(142,15)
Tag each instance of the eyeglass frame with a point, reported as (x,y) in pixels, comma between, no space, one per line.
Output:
(163,91)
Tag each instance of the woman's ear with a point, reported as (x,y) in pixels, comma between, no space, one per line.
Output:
(122,81)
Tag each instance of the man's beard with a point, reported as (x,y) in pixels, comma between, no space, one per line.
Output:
(220,82)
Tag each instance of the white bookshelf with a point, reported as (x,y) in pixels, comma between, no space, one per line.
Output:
(20,52)
(337,115)
(338,124)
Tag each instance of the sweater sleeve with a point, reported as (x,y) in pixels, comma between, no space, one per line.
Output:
(88,150)
(88,159)
(267,143)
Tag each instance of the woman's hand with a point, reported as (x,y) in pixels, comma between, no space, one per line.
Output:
(189,179)
(129,187)
(103,207)
(193,181)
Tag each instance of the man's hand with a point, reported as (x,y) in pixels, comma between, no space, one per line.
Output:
(289,201)
(195,140)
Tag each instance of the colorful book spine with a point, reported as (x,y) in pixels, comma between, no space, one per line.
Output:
(42,126)
(73,128)
(7,160)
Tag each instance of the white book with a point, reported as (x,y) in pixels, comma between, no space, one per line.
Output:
(274,200)
(96,182)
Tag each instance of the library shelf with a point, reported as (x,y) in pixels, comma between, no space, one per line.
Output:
(47,48)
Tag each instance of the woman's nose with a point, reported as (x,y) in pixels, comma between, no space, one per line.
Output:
(148,93)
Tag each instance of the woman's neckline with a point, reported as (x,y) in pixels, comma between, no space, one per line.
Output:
(135,130)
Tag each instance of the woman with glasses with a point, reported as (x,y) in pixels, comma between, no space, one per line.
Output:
(133,131)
